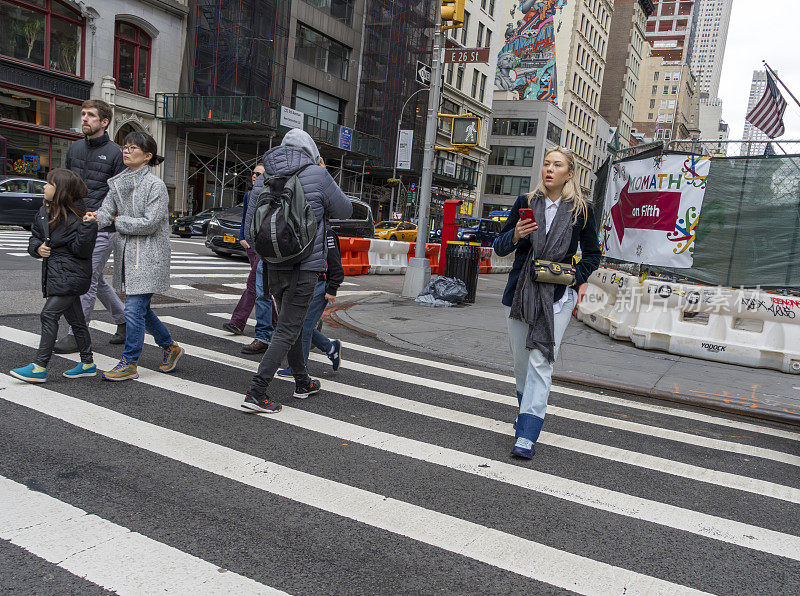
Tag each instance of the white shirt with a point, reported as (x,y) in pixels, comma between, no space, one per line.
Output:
(550,210)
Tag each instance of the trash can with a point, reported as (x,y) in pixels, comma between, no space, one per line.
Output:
(462,260)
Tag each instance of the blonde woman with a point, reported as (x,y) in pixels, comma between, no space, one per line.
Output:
(548,224)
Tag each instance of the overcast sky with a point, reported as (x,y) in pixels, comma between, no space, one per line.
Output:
(760,30)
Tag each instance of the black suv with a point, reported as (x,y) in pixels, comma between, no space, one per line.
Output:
(20,200)
(359,225)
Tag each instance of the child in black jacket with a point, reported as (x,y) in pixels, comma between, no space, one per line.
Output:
(65,243)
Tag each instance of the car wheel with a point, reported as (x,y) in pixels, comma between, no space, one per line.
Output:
(392,237)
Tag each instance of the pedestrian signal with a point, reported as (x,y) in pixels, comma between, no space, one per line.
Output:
(466,131)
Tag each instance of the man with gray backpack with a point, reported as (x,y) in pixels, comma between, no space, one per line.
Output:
(287,214)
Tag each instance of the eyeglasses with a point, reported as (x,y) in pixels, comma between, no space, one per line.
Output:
(129,148)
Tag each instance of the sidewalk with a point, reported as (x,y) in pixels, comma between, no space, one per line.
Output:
(477,333)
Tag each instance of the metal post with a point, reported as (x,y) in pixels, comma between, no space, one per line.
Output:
(363,170)
(185,170)
(396,147)
(216,176)
(419,268)
(224,169)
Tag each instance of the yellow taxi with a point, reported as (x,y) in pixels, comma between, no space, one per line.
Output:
(396,230)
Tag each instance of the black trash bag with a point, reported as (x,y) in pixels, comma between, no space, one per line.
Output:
(447,289)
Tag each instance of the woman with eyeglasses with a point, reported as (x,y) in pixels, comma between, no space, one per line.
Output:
(137,205)
(545,228)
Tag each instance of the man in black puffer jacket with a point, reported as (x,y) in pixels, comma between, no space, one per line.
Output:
(96,158)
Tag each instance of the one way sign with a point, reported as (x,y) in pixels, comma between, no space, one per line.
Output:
(423,73)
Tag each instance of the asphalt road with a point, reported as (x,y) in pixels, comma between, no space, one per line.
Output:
(395,479)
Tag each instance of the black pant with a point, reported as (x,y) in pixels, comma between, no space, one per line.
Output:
(292,292)
(70,307)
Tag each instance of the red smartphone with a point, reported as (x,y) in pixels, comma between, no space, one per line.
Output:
(527,214)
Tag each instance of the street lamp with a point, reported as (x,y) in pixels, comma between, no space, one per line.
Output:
(397,142)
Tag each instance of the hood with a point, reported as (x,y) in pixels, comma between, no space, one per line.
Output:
(285,160)
(300,138)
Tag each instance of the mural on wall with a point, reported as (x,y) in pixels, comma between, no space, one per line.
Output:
(526,64)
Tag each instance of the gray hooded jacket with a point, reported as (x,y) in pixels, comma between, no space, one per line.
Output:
(321,191)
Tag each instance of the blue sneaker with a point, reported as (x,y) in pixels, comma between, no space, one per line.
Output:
(29,374)
(523,448)
(82,370)
(285,372)
(335,354)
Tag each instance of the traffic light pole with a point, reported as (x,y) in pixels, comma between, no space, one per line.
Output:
(418,272)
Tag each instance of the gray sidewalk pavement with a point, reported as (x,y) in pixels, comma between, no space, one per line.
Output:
(477,334)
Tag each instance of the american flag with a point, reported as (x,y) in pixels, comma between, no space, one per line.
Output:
(767,115)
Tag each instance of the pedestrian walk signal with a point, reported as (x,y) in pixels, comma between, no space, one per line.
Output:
(453,11)
(466,131)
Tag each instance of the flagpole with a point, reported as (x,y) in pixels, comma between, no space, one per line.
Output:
(777,78)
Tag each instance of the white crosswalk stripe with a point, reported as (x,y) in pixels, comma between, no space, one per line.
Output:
(606,501)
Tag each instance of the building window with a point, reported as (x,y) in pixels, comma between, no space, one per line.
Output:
(474,82)
(553,133)
(464,29)
(507,185)
(655,89)
(511,156)
(132,59)
(674,90)
(491,8)
(666,89)
(650,116)
(488,38)
(483,88)
(450,68)
(317,104)
(655,75)
(45,33)
(481,27)
(511,127)
(460,76)
(652,103)
(341,10)
(320,51)
(448,107)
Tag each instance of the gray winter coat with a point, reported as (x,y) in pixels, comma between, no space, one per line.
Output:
(139,202)
(321,192)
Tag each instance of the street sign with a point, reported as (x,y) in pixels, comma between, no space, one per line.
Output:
(410,196)
(465,131)
(423,75)
(291,118)
(405,143)
(345,138)
(466,55)
(449,167)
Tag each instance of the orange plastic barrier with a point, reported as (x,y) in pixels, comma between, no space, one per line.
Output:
(486,260)
(432,253)
(355,255)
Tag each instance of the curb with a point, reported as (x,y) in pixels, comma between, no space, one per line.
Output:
(586,381)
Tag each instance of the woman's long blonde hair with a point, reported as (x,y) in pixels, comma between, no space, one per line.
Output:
(572,190)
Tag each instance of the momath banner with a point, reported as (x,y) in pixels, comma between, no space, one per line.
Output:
(652,207)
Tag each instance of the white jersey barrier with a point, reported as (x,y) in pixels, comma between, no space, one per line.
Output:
(746,327)
(608,303)
(388,257)
(501,264)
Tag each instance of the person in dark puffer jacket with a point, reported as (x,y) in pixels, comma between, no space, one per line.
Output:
(65,243)
(96,158)
(292,286)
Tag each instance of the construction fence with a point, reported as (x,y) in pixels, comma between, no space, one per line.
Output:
(749,229)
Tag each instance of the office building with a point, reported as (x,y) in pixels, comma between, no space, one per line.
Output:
(751,133)
(670,29)
(666,104)
(713,127)
(520,133)
(56,54)
(623,64)
(708,50)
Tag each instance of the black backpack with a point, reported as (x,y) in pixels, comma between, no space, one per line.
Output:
(284,226)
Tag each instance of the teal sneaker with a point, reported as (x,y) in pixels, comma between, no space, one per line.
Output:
(30,374)
(82,370)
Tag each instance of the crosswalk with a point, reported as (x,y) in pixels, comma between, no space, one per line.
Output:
(395,479)
(14,243)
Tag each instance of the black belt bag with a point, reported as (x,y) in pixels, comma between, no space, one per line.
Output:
(550,272)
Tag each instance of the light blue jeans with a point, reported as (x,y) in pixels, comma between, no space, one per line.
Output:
(139,317)
(532,371)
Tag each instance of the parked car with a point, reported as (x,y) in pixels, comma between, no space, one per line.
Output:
(194,225)
(472,229)
(20,199)
(223,232)
(396,230)
(360,224)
